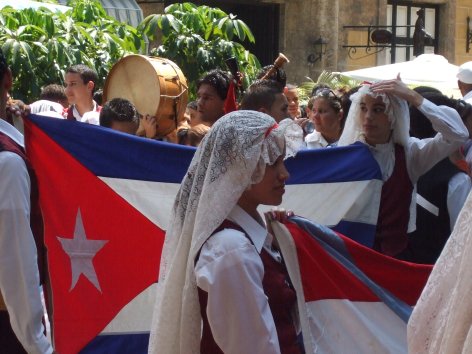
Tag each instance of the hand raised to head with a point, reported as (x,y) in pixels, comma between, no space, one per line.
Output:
(398,88)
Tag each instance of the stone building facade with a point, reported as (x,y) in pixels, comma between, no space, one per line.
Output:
(338,29)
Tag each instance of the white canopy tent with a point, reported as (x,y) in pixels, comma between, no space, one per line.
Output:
(425,70)
(25,4)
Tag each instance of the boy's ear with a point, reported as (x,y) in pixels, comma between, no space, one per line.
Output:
(90,85)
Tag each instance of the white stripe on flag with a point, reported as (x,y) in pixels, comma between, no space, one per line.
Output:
(153,199)
(343,326)
(329,203)
(325,203)
(136,316)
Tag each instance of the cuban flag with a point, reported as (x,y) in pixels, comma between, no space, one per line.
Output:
(352,298)
(106,198)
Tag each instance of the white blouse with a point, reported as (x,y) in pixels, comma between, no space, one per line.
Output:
(230,270)
(315,140)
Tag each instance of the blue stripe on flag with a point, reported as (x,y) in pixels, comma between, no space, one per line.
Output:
(136,343)
(339,164)
(119,155)
(360,232)
(108,153)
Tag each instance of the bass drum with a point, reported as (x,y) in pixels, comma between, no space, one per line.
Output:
(156,86)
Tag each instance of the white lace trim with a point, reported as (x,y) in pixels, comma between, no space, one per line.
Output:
(442,319)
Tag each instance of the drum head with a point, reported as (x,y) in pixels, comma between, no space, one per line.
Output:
(156,86)
(134,78)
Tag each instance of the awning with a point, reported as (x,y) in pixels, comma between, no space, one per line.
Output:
(127,11)
(26,4)
(425,70)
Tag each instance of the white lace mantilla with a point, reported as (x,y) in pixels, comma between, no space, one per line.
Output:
(230,158)
(442,319)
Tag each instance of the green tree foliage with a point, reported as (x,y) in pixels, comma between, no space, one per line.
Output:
(335,80)
(200,38)
(40,44)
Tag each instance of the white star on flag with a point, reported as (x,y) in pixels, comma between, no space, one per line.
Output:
(81,252)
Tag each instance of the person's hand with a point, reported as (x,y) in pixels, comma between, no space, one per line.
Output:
(17,108)
(398,88)
(306,124)
(149,124)
(280,215)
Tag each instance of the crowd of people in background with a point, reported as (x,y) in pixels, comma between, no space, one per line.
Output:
(419,137)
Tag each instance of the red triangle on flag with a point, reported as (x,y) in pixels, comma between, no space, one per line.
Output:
(124,266)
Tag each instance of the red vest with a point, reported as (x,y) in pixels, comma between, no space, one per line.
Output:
(36,219)
(394,213)
(281,296)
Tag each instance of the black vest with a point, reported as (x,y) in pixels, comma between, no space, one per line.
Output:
(432,232)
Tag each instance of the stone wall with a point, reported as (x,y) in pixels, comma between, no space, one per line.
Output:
(458,29)
(302,22)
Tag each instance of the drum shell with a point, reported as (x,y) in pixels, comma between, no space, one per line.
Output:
(156,86)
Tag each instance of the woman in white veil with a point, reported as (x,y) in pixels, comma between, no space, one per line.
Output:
(441,321)
(223,182)
(379,117)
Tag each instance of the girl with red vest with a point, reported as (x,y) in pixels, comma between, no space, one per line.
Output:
(379,117)
(223,285)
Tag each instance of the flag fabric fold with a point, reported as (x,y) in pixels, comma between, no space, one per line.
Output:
(354,300)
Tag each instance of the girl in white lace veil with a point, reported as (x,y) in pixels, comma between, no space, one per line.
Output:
(442,319)
(231,157)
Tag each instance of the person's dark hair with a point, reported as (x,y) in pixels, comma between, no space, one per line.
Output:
(86,74)
(421,127)
(192,105)
(98,97)
(330,96)
(118,110)
(53,92)
(319,87)
(3,65)
(279,75)
(218,79)
(426,89)
(346,100)
(261,93)
(193,136)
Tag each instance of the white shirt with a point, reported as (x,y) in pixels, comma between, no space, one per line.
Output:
(230,270)
(459,187)
(422,154)
(77,115)
(19,276)
(315,140)
(92,117)
(468,97)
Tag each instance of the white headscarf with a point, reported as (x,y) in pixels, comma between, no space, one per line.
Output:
(231,157)
(47,108)
(398,115)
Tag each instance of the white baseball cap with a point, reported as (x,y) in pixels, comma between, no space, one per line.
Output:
(465,73)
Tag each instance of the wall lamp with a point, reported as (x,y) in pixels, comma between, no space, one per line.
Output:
(469,35)
(320,50)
